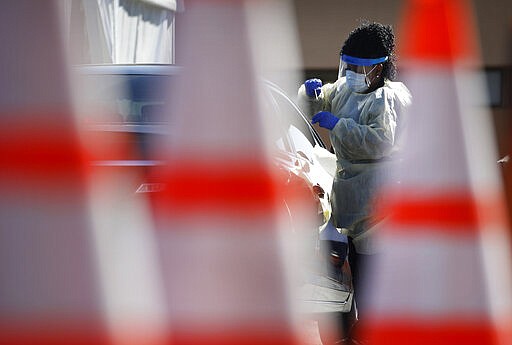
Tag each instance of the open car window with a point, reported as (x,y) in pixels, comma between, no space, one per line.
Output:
(301,143)
(300,134)
(290,115)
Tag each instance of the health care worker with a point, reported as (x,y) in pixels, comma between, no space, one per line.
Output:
(364,111)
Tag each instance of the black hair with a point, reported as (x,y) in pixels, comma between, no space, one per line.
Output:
(373,40)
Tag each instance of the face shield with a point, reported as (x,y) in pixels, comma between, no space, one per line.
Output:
(357,64)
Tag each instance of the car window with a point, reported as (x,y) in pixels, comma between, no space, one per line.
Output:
(290,113)
(300,142)
(278,130)
(302,137)
(123,98)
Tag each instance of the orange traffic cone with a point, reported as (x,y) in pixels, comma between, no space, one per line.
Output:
(218,221)
(444,272)
(48,290)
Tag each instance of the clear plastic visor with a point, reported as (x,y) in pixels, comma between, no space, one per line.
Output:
(358,65)
(342,69)
(354,68)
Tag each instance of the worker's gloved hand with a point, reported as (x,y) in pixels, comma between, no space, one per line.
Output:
(313,87)
(325,119)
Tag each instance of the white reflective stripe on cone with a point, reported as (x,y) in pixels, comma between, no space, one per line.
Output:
(438,279)
(218,220)
(127,258)
(49,292)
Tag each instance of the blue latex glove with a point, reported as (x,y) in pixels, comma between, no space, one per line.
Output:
(313,87)
(325,119)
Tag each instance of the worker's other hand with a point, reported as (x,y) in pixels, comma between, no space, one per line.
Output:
(325,119)
(313,87)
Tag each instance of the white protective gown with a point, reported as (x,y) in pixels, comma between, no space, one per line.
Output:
(365,140)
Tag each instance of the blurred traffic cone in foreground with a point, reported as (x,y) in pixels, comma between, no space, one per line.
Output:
(48,291)
(444,274)
(218,220)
